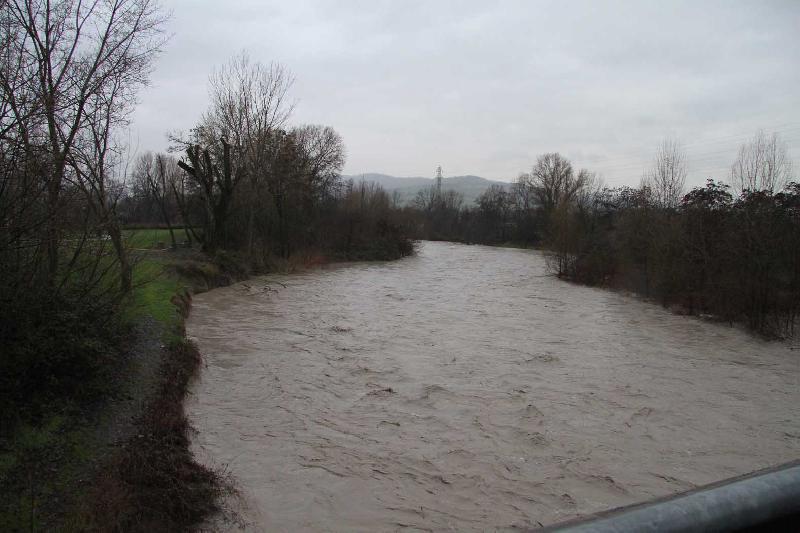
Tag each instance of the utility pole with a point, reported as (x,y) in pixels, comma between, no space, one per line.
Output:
(439,182)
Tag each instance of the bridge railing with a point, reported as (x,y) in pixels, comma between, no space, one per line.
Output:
(768,500)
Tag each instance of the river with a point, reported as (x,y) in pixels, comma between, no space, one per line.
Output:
(467,389)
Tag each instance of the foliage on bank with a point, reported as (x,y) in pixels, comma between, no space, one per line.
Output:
(153,483)
(731,251)
(734,258)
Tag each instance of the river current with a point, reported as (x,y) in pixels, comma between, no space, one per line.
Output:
(466,388)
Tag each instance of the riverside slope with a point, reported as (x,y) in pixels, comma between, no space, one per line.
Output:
(466,389)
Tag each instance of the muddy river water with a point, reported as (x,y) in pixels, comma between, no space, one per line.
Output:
(466,389)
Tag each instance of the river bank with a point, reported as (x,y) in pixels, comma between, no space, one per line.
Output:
(122,463)
(678,308)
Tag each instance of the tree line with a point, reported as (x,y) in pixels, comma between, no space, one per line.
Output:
(242,183)
(245,182)
(731,251)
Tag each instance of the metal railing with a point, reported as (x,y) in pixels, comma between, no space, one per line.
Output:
(768,500)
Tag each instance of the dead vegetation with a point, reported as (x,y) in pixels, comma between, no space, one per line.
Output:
(153,482)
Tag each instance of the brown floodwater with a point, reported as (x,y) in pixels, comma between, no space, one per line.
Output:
(467,389)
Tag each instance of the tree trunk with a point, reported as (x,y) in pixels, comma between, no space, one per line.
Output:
(125,269)
(165,216)
(187,226)
(52,227)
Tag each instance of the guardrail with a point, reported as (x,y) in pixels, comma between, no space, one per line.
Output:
(768,500)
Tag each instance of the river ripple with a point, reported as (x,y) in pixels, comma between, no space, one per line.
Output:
(466,389)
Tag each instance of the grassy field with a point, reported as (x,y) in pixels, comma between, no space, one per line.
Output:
(155,285)
(153,238)
(154,277)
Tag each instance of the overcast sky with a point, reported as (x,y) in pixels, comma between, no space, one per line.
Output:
(484,87)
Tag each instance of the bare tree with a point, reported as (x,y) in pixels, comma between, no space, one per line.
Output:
(667,179)
(249,104)
(159,177)
(216,180)
(523,193)
(72,53)
(495,205)
(94,163)
(323,153)
(763,164)
(425,199)
(396,199)
(249,100)
(179,185)
(554,181)
(452,200)
(589,195)
(167,176)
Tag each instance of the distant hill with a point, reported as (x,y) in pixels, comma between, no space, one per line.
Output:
(469,186)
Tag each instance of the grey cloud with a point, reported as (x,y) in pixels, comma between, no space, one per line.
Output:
(411,85)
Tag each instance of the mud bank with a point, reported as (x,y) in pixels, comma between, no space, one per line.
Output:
(466,389)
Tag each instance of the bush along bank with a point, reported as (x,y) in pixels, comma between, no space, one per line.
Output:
(101,442)
(153,482)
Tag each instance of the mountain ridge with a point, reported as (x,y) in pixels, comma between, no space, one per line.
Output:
(470,186)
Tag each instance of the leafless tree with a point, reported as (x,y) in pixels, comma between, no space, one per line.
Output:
(667,179)
(589,194)
(763,164)
(495,205)
(323,153)
(249,100)
(216,180)
(396,199)
(158,176)
(180,184)
(425,199)
(523,193)
(554,182)
(249,104)
(430,199)
(452,200)
(68,58)
(94,167)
